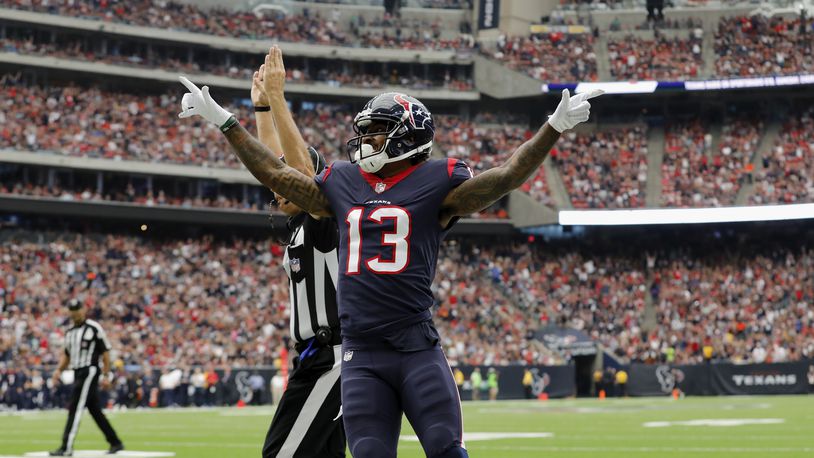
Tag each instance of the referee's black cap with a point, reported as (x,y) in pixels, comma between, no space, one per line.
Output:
(74,305)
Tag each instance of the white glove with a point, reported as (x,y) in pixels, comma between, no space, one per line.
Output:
(199,102)
(572,110)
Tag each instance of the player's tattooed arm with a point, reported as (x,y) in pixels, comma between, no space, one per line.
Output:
(480,192)
(275,174)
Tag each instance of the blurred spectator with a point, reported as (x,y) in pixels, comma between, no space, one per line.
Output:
(788,168)
(155,60)
(695,173)
(635,58)
(551,57)
(759,45)
(220,21)
(604,169)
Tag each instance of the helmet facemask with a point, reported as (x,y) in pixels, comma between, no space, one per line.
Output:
(397,146)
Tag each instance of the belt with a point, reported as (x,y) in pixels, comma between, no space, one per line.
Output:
(326,337)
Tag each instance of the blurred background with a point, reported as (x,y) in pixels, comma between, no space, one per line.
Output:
(153,223)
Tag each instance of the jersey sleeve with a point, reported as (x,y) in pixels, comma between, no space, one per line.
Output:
(322,177)
(333,183)
(458,172)
(102,338)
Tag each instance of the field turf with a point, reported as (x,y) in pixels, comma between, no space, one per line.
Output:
(578,428)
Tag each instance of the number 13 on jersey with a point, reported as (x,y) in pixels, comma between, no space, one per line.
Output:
(398,238)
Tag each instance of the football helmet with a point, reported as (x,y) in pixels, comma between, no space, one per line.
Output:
(408,126)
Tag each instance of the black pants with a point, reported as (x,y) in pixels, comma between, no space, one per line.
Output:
(308,420)
(86,394)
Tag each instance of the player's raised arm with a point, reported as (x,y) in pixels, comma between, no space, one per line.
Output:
(261,161)
(294,146)
(266,128)
(485,189)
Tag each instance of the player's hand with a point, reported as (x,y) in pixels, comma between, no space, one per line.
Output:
(55,378)
(572,110)
(259,98)
(105,384)
(274,73)
(199,102)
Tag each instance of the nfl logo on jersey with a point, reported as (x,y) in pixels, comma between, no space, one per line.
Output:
(295,264)
(380,187)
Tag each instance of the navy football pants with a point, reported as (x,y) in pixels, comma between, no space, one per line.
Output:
(378,385)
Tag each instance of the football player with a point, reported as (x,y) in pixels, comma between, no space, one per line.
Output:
(393,206)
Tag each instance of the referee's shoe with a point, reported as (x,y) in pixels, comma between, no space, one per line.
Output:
(62,452)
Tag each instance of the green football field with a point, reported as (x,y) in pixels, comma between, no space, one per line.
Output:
(766,427)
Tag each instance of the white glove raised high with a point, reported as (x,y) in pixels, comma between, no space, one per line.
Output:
(199,102)
(572,110)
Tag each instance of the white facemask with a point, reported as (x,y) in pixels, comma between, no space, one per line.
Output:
(371,163)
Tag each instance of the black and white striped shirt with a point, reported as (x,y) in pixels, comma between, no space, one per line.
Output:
(313,270)
(85,343)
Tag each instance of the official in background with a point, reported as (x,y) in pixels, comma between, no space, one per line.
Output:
(308,419)
(85,344)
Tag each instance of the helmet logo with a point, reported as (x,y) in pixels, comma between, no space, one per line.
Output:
(408,107)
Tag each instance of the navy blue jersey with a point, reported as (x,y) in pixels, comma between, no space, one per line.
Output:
(389,234)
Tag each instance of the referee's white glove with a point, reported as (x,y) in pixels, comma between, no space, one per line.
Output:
(572,110)
(199,102)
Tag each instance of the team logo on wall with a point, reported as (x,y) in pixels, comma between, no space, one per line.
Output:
(669,378)
(540,383)
(243,386)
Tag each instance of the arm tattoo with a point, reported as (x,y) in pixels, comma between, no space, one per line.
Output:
(275,174)
(485,189)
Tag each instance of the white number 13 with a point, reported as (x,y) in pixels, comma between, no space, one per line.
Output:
(399,239)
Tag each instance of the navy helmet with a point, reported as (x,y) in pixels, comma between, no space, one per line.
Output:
(408,126)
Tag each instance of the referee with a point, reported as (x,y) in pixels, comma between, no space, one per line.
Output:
(308,420)
(85,343)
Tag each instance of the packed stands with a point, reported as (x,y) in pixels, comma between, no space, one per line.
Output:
(757,45)
(82,122)
(604,169)
(551,57)
(787,168)
(133,195)
(747,306)
(660,59)
(697,174)
(203,302)
(333,75)
(268,24)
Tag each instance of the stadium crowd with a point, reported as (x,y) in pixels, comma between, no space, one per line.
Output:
(743,307)
(660,59)
(334,77)
(180,304)
(134,195)
(757,45)
(604,169)
(308,27)
(744,46)
(551,57)
(696,173)
(786,176)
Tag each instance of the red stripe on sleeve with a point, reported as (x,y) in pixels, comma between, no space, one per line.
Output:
(451,165)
